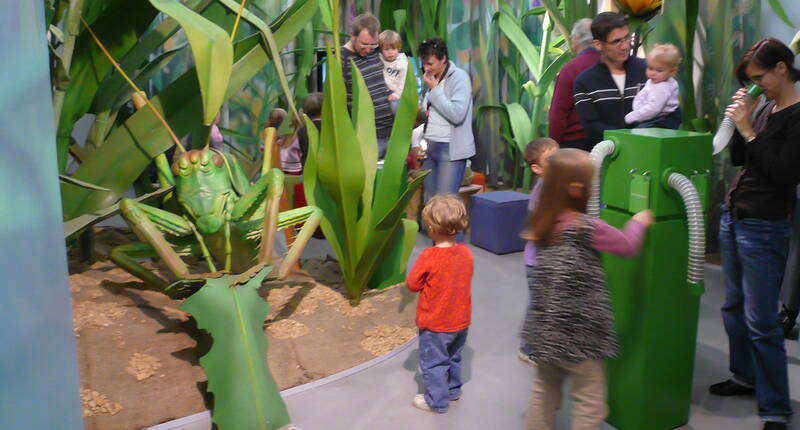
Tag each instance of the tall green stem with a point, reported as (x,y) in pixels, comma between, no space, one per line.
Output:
(70,35)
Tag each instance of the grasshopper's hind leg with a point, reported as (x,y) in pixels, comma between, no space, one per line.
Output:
(125,256)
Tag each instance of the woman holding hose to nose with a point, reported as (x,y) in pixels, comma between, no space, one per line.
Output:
(754,229)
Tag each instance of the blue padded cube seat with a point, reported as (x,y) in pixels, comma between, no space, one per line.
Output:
(496,219)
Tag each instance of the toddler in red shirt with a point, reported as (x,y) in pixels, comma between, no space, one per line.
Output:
(442,275)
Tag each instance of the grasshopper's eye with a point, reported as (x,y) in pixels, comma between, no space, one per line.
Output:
(183,162)
(217,160)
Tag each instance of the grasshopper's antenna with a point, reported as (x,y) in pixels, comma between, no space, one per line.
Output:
(133,85)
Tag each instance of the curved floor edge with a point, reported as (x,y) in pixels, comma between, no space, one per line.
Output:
(202,420)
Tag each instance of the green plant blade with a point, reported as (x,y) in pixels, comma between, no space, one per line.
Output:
(212,52)
(76,225)
(393,178)
(558,17)
(133,145)
(317,196)
(391,269)
(398,208)
(550,73)
(245,394)
(400,18)
(363,112)
(72,181)
(781,12)
(512,30)
(327,13)
(341,171)
(521,126)
(119,28)
(112,98)
(269,38)
(114,83)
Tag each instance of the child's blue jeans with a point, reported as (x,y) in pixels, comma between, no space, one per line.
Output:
(440,365)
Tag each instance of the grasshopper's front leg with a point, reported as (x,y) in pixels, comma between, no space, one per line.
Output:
(269,187)
(148,223)
(312,216)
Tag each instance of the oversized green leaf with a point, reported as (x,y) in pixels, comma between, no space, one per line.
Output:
(335,178)
(363,112)
(245,394)
(327,13)
(398,208)
(269,39)
(76,225)
(119,28)
(393,179)
(60,75)
(317,196)
(781,12)
(131,147)
(72,181)
(306,63)
(558,17)
(401,19)
(341,170)
(137,56)
(512,30)
(676,25)
(112,98)
(212,52)
(521,126)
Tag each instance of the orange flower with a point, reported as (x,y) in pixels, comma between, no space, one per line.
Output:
(638,8)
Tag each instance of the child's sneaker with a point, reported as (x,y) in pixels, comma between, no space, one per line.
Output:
(420,403)
(526,358)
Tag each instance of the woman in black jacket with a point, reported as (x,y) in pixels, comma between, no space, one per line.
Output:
(754,229)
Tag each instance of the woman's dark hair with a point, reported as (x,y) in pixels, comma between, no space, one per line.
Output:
(767,53)
(605,23)
(432,46)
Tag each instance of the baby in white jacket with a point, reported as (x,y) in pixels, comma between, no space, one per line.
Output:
(659,97)
(395,63)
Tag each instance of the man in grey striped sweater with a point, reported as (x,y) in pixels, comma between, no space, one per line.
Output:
(361,50)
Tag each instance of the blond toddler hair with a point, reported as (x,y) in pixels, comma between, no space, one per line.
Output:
(389,39)
(445,214)
(665,54)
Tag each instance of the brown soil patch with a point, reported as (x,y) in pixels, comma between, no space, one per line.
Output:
(138,353)
(382,339)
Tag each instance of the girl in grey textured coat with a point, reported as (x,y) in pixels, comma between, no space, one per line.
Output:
(570,327)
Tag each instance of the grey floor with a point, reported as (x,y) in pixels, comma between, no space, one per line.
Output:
(497,382)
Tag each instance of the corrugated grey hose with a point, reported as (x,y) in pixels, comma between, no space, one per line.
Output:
(697,233)
(598,154)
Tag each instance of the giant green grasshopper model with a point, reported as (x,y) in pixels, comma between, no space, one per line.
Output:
(222,217)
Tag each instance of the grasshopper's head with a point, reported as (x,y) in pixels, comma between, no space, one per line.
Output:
(203,187)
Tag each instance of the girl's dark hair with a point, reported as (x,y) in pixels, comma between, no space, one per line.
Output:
(432,46)
(767,53)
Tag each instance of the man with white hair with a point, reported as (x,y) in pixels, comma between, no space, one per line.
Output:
(565,126)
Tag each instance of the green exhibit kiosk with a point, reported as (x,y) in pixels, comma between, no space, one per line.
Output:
(656,296)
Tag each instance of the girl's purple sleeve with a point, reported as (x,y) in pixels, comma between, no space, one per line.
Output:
(625,243)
